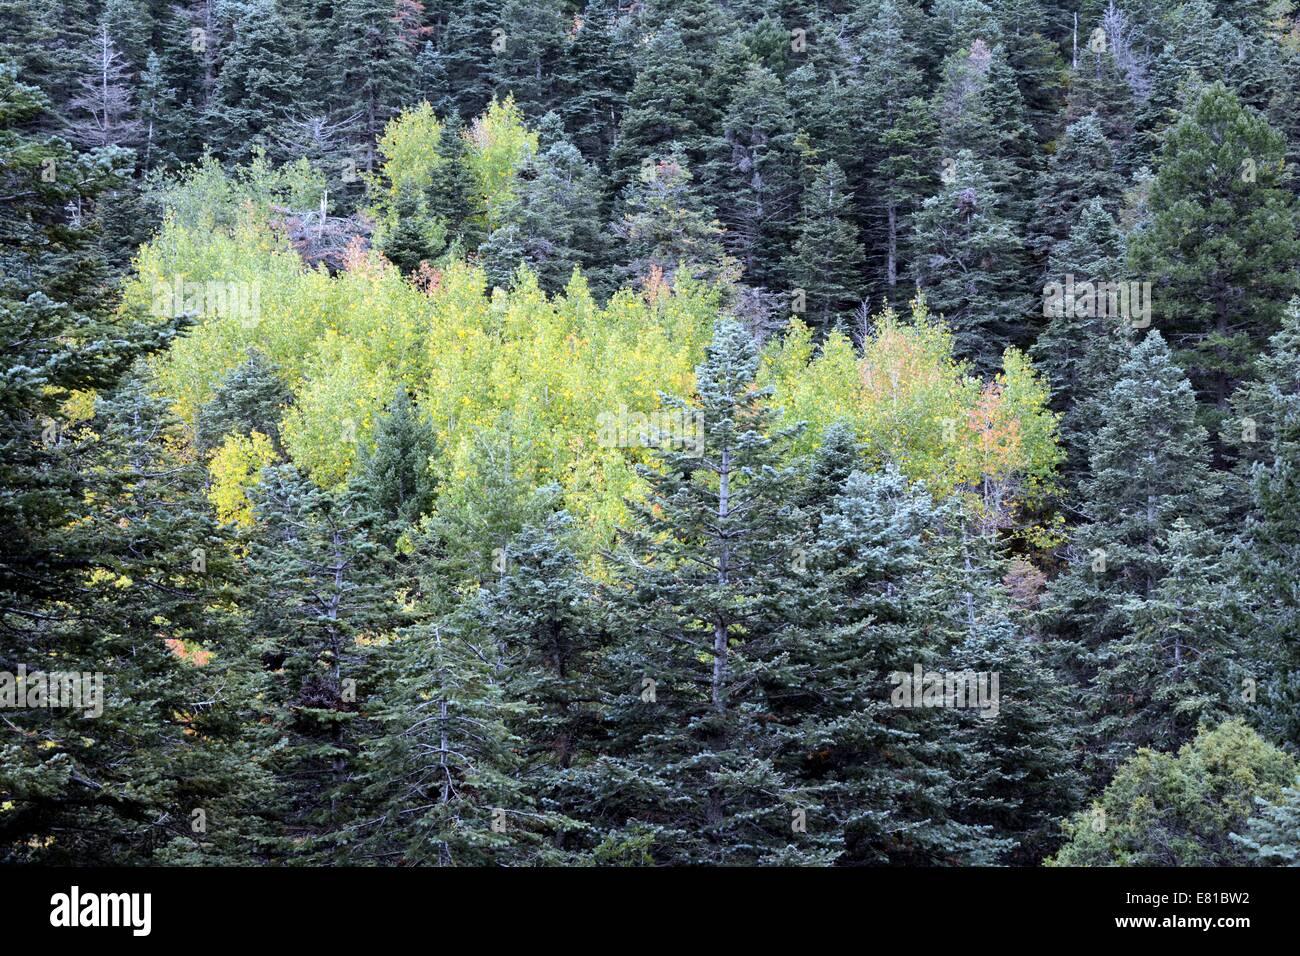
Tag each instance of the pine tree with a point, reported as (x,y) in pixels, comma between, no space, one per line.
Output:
(440,784)
(1110,80)
(979,110)
(417,236)
(900,172)
(450,780)
(466,46)
(451,197)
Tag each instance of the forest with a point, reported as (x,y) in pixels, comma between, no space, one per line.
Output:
(651,433)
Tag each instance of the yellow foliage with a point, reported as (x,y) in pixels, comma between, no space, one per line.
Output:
(236,468)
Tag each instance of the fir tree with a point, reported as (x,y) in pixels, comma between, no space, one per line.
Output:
(252,397)
(664,226)
(701,667)
(396,474)
(1083,345)
(752,177)
(969,263)
(552,224)
(1273,833)
(258,84)
(1221,241)
(319,594)
(827,259)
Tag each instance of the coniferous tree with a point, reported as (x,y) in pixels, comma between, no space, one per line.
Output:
(969,263)
(251,398)
(259,81)
(441,783)
(1083,344)
(701,613)
(1150,470)
(901,122)
(552,224)
(887,774)
(145,595)
(1167,809)
(1266,434)
(396,474)
(751,177)
(541,610)
(1273,833)
(979,110)
(528,62)
(597,78)
(319,595)
(452,195)
(103,111)
(827,260)
(375,44)
(1221,241)
(664,226)
(663,108)
(1082,169)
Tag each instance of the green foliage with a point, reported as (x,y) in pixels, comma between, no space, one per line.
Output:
(1166,809)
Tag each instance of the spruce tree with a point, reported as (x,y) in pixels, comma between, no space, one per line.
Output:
(751,177)
(663,107)
(1265,431)
(665,226)
(1083,344)
(1150,470)
(396,474)
(552,224)
(1082,169)
(887,775)
(259,82)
